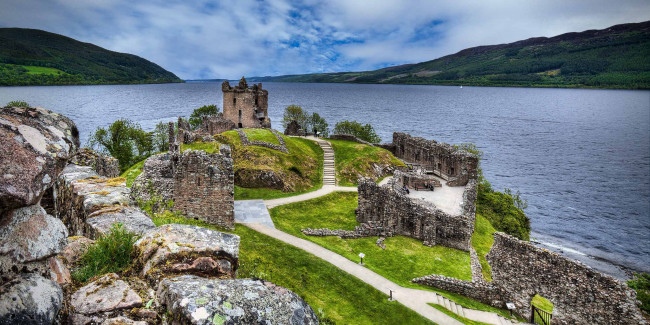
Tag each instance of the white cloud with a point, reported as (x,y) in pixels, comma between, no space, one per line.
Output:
(207,39)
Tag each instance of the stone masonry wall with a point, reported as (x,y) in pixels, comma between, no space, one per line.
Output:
(456,166)
(204,186)
(397,214)
(580,295)
(241,105)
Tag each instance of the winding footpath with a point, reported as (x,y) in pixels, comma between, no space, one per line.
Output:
(415,299)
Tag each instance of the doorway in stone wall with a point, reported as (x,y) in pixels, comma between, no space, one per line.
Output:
(541,310)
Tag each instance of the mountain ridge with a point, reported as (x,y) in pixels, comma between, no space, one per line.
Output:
(38,57)
(614,57)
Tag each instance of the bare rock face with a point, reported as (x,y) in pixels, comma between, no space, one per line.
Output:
(101,298)
(196,300)
(184,249)
(133,220)
(75,248)
(28,236)
(30,299)
(36,145)
(102,164)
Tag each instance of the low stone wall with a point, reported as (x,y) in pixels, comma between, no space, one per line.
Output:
(481,291)
(282,147)
(398,214)
(458,166)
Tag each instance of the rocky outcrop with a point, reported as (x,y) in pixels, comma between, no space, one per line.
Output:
(184,249)
(195,300)
(30,299)
(132,219)
(101,299)
(28,236)
(103,165)
(36,145)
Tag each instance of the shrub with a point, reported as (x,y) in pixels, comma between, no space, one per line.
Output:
(124,140)
(363,132)
(17,103)
(197,115)
(295,113)
(641,283)
(111,253)
(319,124)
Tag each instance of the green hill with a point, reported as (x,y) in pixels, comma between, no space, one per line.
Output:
(616,57)
(36,57)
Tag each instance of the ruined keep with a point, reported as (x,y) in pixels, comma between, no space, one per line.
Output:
(244,106)
(455,166)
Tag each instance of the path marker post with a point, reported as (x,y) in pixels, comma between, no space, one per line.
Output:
(362,255)
(390,298)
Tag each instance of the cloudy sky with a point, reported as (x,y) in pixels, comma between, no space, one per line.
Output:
(228,39)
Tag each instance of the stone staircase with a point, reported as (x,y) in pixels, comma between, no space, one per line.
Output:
(475,315)
(329,173)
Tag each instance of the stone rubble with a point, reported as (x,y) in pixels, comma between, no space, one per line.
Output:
(101,299)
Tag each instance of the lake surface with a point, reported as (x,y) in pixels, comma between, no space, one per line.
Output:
(580,157)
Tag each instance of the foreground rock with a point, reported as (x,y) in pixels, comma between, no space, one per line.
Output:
(75,248)
(133,220)
(36,145)
(102,299)
(30,299)
(184,249)
(102,164)
(196,300)
(28,236)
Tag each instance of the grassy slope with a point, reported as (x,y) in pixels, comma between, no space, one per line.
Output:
(133,172)
(303,165)
(81,63)
(261,135)
(615,57)
(334,294)
(482,241)
(353,159)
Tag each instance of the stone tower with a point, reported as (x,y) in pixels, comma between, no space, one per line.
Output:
(244,106)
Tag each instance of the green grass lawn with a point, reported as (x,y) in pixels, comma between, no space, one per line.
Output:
(209,147)
(404,258)
(456,317)
(353,159)
(482,241)
(261,135)
(133,172)
(335,296)
(302,166)
(42,70)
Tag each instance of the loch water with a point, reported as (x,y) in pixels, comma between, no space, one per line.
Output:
(580,157)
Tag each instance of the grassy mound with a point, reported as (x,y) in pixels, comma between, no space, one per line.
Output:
(354,159)
(133,172)
(482,241)
(336,296)
(299,171)
(261,135)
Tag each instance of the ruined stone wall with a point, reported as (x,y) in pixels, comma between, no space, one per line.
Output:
(102,164)
(204,186)
(248,101)
(480,291)
(580,295)
(397,214)
(456,166)
(216,124)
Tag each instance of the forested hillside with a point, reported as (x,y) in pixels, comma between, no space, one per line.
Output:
(36,57)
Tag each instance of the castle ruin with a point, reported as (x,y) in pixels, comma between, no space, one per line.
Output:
(244,106)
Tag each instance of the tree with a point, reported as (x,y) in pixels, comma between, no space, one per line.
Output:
(363,132)
(197,115)
(160,137)
(295,113)
(319,124)
(124,140)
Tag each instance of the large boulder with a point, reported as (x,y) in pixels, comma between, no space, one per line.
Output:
(36,145)
(132,219)
(103,298)
(184,249)
(28,236)
(195,300)
(102,164)
(30,299)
